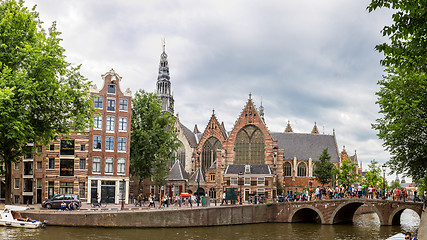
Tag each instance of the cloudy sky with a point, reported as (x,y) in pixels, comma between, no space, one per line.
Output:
(308,60)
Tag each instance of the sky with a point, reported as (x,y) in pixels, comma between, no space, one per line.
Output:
(307,60)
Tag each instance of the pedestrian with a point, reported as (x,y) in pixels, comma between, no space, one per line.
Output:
(223,199)
(408,236)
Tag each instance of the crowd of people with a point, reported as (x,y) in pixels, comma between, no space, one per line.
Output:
(165,201)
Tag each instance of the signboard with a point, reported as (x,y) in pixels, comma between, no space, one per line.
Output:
(231,194)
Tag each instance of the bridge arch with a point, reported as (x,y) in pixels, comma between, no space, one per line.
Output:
(306,213)
(394,218)
(344,213)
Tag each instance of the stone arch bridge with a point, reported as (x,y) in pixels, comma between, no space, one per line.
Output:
(336,211)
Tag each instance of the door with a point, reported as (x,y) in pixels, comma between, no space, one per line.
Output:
(93,192)
(108,194)
(39,196)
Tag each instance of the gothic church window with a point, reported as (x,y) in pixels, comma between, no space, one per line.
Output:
(249,146)
(302,170)
(287,169)
(209,152)
(179,154)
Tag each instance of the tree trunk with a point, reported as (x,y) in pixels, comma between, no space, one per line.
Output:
(8,181)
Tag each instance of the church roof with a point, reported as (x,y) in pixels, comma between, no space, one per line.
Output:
(304,146)
(189,135)
(198,174)
(177,172)
(254,169)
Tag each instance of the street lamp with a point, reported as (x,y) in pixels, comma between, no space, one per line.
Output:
(384,167)
(198,177)
(240,183)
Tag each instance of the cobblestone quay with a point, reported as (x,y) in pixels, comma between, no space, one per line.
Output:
(324,212)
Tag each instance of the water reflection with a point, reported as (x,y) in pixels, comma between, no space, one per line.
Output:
(366,226)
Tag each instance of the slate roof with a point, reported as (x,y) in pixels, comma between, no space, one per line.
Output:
(306,145)
(177,172)
(254,169)
(196,174)
(189,135)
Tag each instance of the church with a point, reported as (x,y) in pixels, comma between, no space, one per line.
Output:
(249,157)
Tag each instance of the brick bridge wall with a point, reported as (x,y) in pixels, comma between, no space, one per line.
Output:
(324,212)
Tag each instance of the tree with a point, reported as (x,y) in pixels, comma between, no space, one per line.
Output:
(402,94)
(42,95)
(346,173)
(373,175)
(153,139)
(324,170)
(395,184)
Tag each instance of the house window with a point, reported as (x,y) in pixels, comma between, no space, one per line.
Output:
(111,104)
(109,143)
(82,190)
(260,191)
(96,165)
(247,181)
(209,150)
(121,144)
(302,170)
(50,189)
(98,122)
(28,168)
(52,147)
(287,169)
(66,187)
(66,167)
(82,147)
(16,199)
(28,184)
(97,142)
(82,163)
(261,181)
(67,147)
(98,102)
(39,149)
(111,88)
(123,104)
(123,123)
(16,166)
(39,183)
(212,177)
(108,165)
(110,123)
(233,181)
(51,163)
(39,165)
(17,183)
(121,163)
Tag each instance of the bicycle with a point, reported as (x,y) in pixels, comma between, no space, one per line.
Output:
(102,204)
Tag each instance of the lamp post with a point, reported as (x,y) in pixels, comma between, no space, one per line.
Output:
(198,177)
(384,167)
(240,183)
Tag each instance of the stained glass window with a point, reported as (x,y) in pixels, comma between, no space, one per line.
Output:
(249,146)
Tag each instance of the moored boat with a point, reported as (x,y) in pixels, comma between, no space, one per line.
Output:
(10,216)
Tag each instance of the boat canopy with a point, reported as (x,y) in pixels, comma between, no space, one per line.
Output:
(15,208)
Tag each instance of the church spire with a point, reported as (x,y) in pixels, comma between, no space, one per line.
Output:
(315,130)
(261,111)
(163,82)
(288,127)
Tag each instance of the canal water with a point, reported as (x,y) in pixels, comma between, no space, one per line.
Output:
(365,226)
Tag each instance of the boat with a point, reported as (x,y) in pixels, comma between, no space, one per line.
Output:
(11,217)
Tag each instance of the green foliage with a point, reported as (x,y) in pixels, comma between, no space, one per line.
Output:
(324,170)
(373,175)
(402,96)
(346,174)
(42,95)
(395,184)
(279,188)
(421,185)
(153,139)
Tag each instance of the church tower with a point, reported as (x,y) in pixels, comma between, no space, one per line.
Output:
(163,83)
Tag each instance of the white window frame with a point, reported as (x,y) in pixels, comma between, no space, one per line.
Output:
(247,181)
(121,166)
(260,190)
(123,124)
(98,122)
(96,161)
(108,88)
(114,100)
(107,145)
(102,101)
(233,181)
(110,123)
(94,145)
(121,144)
(260,181)
(17,180)
(120,105)
(109,163)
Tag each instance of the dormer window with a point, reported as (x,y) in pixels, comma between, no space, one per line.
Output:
(247,169)
(111,89)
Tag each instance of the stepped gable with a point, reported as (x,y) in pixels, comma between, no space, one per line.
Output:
(250,116)
(305,145)
(288,127)
(213,129)
(177,172)
(198,174)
